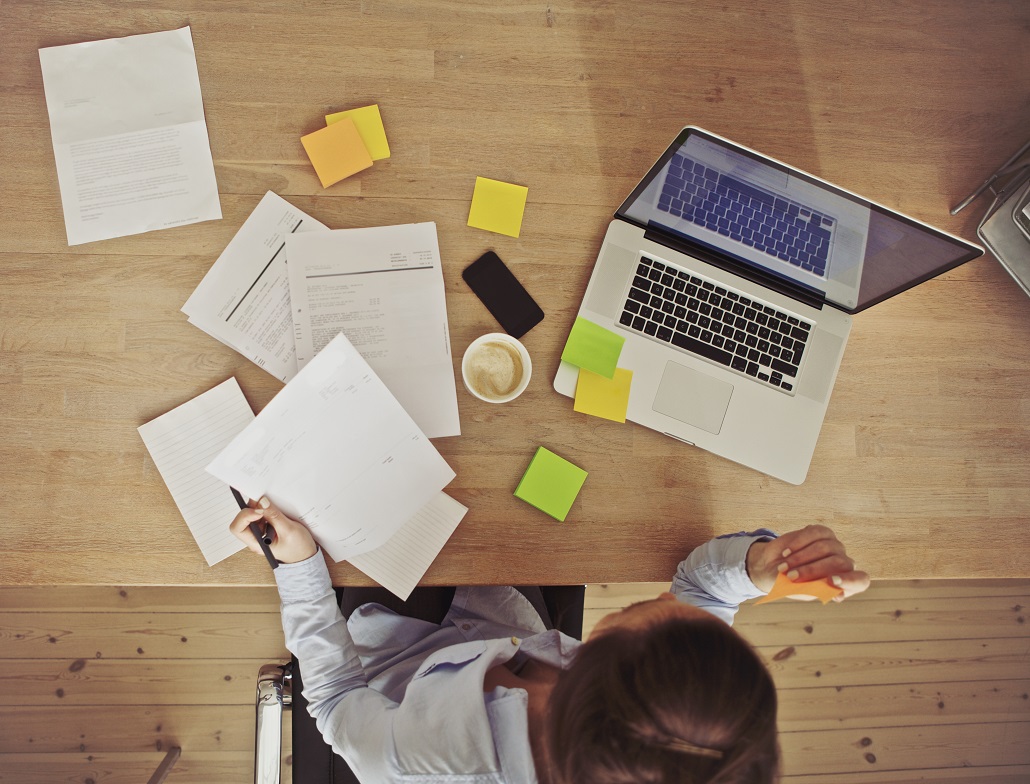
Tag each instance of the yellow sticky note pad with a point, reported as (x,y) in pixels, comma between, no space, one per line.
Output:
(607,398)
(823,590)
(336,151)
(498,206)
(369,123)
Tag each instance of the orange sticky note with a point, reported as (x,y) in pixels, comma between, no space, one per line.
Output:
(823,590)
(369,123)
(336,151)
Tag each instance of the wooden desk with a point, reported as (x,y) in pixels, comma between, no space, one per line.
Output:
(924,459)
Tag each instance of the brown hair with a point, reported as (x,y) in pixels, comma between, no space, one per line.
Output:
(686,701)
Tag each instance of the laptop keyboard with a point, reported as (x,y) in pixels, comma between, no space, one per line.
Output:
(778,227)
(706,318)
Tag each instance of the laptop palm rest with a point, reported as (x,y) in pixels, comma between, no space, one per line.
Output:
(693,397)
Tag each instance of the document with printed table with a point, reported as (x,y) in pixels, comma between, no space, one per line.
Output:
(244,299)
(383,288)
(337,451)
(129,135)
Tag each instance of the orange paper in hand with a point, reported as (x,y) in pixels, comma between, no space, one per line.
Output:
(823,590)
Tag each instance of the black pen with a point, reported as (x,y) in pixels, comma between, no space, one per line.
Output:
(262,539)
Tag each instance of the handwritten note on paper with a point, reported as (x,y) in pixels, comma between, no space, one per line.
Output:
(551,483)
(182,443)
(498,206)
(400,563)
(593,347)
(336,151)
(823,590)
(369,123)
(335,450)
(607,398)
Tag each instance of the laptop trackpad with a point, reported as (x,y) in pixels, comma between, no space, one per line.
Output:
(693,397)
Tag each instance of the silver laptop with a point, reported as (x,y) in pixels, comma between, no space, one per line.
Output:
(733,278)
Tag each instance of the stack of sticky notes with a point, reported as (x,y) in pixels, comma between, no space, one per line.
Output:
(602,389)
(498,206)
(348,144)
(551,484)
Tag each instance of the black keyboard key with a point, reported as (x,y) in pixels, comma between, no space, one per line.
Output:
(704,322)
(693,304)
(654,275)
(775,337)
(786,344)
(763,376)
(729,345)
(764,333)
(682,326)
(784,367)
(646,260)
(668,307)
(641,282)
(763,346)
(774,324)
(667,279)
(633,306)
(691,290)
(764,360)
(750,313)
(682,275)
(669,294)
(738,309)
(638,295)
(650,328)
(702,295)
(753,354)
(706,336)
(656,302)
(626,318)
(680,311)
(658,265)
(718,340)
(646,312)
(787,356)
(792,320)
(784,328)
(720,290)
(752,369)
(799,334)
(733,295)
(744,301)
(681,299)
(785,385)
(708,285)
(706,309)
(739,363)
(727,331)
(695,280)
(805,326)
(751,328)
(762,319)
(740,350)
(638,323)
(664,333)
(739,335)
(692,316)
(694,331)
(670,321)
(679,284)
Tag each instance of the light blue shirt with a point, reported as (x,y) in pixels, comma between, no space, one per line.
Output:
(402,699)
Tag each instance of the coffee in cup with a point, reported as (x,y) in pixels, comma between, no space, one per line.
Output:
(496,368)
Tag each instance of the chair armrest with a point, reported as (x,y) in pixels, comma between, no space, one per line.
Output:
(274,692)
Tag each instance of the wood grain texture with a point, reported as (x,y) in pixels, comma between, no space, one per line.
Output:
(923,461)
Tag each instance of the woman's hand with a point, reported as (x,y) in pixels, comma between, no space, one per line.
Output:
(291,541)
(811,553)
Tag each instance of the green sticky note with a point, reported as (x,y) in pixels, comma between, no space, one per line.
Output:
(498,206)
(369,123)
(607,398)
(593,348)
(551,483)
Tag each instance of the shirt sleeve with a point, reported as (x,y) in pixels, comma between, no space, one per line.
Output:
(316,633)
(714,576)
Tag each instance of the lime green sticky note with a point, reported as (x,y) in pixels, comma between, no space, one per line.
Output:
(607,398)
(593,348)
(551,484)
(369,123)
(498,206)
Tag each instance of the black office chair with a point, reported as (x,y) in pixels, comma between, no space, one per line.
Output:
(280,686)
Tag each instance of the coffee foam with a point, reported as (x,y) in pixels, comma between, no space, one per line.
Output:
(495,369)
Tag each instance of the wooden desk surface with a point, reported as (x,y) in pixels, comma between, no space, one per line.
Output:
(924,458)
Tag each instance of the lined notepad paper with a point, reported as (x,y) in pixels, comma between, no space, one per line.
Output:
(182,443)
(399,564)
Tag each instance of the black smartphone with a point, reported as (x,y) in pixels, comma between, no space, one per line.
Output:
(503,295)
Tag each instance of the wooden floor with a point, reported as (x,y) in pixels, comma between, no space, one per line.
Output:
(913,681)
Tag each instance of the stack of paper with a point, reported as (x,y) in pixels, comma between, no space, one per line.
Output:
(382,287)
(372,481)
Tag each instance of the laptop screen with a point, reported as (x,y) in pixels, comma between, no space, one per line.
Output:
(766,215)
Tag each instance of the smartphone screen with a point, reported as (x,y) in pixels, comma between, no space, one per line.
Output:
(503,295)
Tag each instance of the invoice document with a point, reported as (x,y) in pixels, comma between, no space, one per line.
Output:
(244,299)
(181,444)
(383,288)
(335,450)
(129,135)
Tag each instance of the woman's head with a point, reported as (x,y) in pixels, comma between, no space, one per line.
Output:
(664,693)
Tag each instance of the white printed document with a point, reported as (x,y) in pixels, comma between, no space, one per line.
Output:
(182,443)
(244,299)
(383,288)
(129,135)
(335,450)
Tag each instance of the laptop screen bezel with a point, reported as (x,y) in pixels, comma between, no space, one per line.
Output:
(788,287)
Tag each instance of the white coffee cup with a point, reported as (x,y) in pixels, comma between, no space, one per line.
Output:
(496,368)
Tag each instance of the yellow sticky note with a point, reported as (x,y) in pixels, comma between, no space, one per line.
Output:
(498,206)
(823,590)
(336,151)
(369,123)
(607,398)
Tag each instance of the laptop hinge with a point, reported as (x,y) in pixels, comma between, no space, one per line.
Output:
(807,296)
